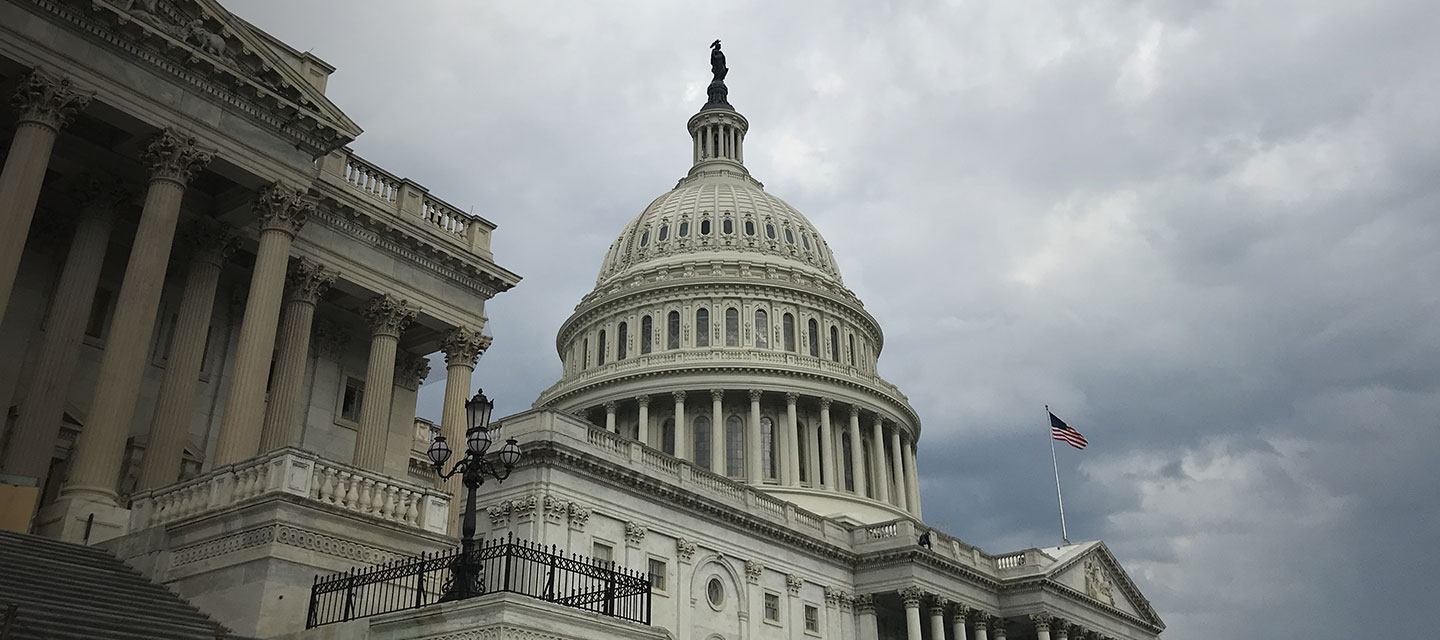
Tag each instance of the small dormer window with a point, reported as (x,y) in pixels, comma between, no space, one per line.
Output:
(704,227)
(789,236)
(727,227)
(664,232)
(684,229)
(645,238)
(749,227)
(770,230)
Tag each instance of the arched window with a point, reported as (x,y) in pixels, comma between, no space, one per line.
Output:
(732,327)
(770,231)
(805,238)
(789,236)
(834,343)
(664,232)
(586,350)
(851,340)
(749,228)
(700,439)
(673,335)
(702,327)
(813,335)
(621,336)
(645,238)
(646,331)
(848,460)
(869,472)
(788,325)
(802,447)
(685,229)
(823,470)
(667,436)
(734,447)
(762,329)
(767,446)
(704,227)
(600,350)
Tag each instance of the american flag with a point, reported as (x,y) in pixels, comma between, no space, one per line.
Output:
(1066,433)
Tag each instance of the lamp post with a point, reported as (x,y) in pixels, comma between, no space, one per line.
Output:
(466,579)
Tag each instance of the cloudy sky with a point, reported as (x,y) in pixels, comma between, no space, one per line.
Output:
(1206,232)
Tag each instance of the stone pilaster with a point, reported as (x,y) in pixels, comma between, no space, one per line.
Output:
(828,475)
(463,347)
(46,103)
(642,431)
(865,617)
(41,407)
(792,441)
(857,452)
(911,597)
(282,211)
(306,282)
(755,470)
(897,461)
(681,439)
(388,316)
(175,405)
(173,159)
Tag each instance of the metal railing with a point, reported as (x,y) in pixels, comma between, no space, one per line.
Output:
(508,565)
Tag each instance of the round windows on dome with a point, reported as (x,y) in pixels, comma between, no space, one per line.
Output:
(749,227)
(715,593)
(684,229)
(770,230)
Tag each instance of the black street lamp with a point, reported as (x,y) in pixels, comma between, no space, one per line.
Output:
(466,579)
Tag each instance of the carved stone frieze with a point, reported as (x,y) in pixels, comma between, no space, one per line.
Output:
(1097,583)
(464,345)
(175,157)
(307,280)
(389,315)
(47,99)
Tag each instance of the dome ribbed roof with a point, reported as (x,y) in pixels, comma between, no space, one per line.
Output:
(718,217)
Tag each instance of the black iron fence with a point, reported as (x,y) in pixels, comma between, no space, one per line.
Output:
(501,565)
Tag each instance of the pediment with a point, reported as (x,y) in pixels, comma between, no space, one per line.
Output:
(1096,574)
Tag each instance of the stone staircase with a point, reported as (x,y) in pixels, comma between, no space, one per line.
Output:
(69,592)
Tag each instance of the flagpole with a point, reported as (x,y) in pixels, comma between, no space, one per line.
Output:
(1064,535)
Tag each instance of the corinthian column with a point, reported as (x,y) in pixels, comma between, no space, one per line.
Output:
(877,458)
(911,597)
(897,461)
(958,622)
(680,439)
(857,452)
(1042,625)
(753,464)
(981,621)
(175,405)
(642,432)
(388,316)
(717,432)
(43,404)
(463,347)
(610,408)
(306,282)
(282,212)
(912,478)
(792,441)
(826,478)
(173,160)
(865,617)
(46,104)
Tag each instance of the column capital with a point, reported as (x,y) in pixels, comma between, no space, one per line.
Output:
(717,394)
(464,346)
(48,99)
(307,280)
(411,370)
(100,189)
(997,624)
(175,157)
(1041,621)
(644,401)
(825,404)
(979,618)
(753,570)
(793,583)
(959,609)
(791,397)
(678,395)
(283,208)
(389,315)
(864,603)
(879,419)
(210,242)
(610,406)
(938,605)
(855,412)
(755,395)
(1060,628)
(911,596)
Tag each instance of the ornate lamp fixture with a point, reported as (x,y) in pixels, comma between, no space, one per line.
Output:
(466,579)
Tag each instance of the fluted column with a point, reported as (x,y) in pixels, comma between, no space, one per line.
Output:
(857,460)
(877,459)
(388,316)
(173,160)
(306,282)
(827,450)
(938,605)
(175,404)
(865,617)
(38,424)
(755,470)
(463,347)
(642,431)
(680,439)
(282,212)
(610,416)
(717,432)
(897,461)
(792,441)
(46,103)
(1042,626)
(957,625)
(912,477)
(911,597)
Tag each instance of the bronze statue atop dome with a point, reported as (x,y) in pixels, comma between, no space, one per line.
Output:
(717,90)
(717,62)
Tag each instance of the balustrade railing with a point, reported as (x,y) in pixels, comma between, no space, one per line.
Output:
(1010,561)
(403,197)
(304,476)
(371,179)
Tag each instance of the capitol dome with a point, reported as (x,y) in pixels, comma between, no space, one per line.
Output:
(720,333)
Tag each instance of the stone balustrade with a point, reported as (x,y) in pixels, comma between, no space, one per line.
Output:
(303,476)
(404,198)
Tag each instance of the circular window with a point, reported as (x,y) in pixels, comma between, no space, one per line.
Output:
(715,593)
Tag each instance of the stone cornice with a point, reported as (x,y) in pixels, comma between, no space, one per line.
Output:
(1046,584)
(912,556)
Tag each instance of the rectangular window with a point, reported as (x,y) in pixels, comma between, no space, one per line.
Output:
(772,607)
(812,618)
(657,574)
(352,400)
(602,553)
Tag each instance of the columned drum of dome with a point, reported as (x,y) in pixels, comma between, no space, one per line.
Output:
(719,289)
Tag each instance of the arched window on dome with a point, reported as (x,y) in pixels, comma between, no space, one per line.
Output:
(600,350)
(850,338)
(789,236)
(813,337)
(667,436)
(805,238)
(702,327)
(762,329)
(848,460)
(622,334)
(768,446)
(834,343)
(705,227)
(646,331)
(585,348)
(700,441)
(645,238)
(727,226)
(787,324)
(770,230)
(749,227)
(732,327)
(684,229)
(673,333)
(734,446)
(664,233)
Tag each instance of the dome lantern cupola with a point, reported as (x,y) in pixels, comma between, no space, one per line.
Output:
(718,131)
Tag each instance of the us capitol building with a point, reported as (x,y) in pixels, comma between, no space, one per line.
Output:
(217,316)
